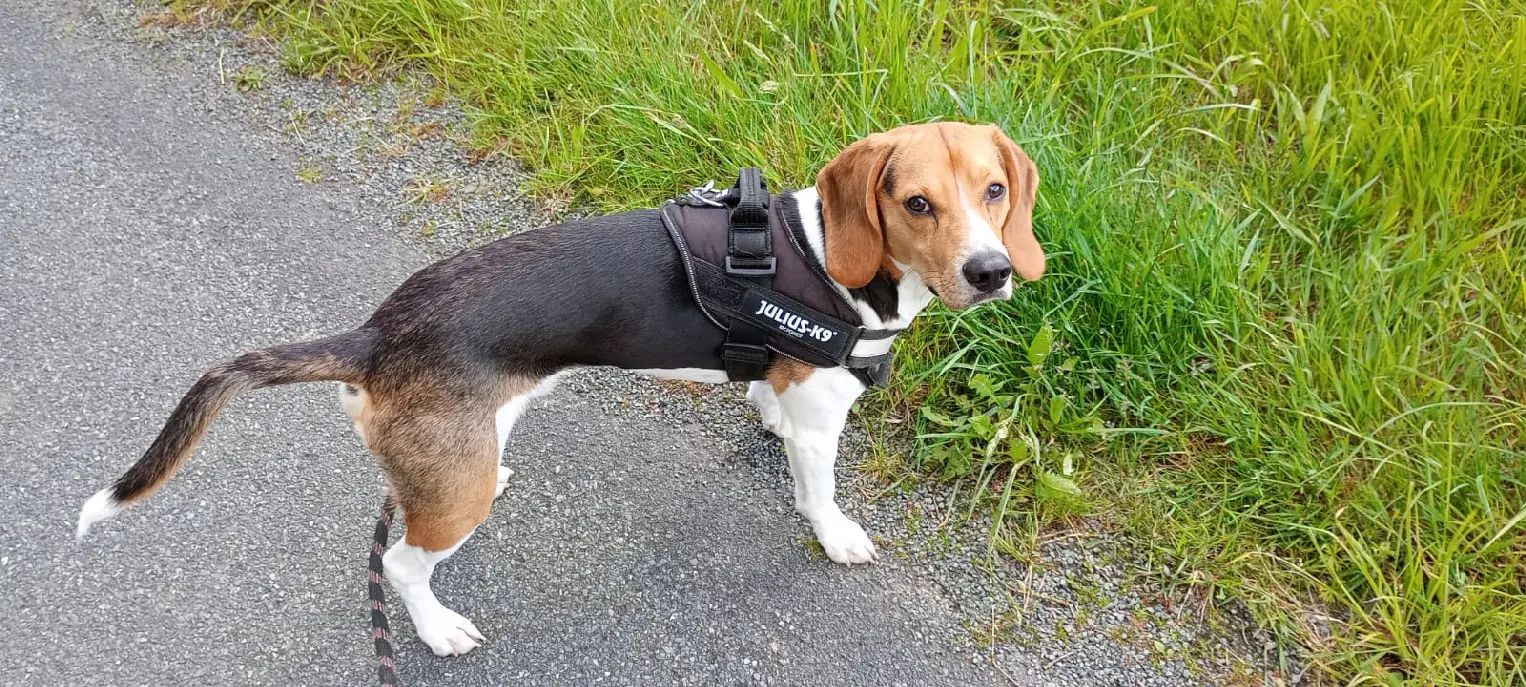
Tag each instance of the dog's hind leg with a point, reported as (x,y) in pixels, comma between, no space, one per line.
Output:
(442,469)
(409,566)
(504,421)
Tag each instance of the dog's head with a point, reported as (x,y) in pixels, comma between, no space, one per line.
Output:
(953,202)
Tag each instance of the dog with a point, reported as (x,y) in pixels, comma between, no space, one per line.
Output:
(434,381)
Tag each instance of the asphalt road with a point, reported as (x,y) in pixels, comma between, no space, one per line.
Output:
(147,231)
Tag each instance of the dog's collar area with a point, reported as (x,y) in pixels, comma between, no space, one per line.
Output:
(762,286)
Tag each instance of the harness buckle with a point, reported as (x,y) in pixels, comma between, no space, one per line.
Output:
(734,351)
(706,196)
(751,267)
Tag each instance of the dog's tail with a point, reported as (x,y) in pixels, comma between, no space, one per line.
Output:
(342,358)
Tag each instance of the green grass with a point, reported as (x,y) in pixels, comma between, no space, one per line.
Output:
(1287,294)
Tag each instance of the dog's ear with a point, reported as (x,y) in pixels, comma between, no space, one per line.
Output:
(1017,231)
(849,187)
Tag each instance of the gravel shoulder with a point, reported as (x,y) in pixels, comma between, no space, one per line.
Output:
(157,217)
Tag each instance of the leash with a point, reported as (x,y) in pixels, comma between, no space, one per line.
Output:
(381,632)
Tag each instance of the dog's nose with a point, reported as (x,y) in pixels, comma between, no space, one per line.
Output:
(988,271)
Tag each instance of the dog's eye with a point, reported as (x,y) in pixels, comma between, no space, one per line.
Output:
(995,191)
(917,205)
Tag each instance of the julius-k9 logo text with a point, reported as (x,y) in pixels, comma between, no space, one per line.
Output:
(791,323)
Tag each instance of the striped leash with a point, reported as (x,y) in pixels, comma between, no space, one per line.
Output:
(381,632)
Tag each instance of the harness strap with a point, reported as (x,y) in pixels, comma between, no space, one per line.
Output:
(818,338)
(738,295)
(858,362)
(749,257)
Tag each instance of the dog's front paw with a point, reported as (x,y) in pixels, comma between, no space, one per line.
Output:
(447,632)
(844,541)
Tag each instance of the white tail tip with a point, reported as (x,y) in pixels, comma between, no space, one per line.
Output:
(100,507)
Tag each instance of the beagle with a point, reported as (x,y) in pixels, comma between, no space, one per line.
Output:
(435,379)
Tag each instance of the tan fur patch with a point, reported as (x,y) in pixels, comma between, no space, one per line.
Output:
(786,372)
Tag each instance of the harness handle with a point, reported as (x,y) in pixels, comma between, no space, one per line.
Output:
(749,256)
(749,242)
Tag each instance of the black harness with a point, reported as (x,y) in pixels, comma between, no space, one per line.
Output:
(763,286)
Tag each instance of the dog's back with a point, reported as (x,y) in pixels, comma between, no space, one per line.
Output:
(602,291)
